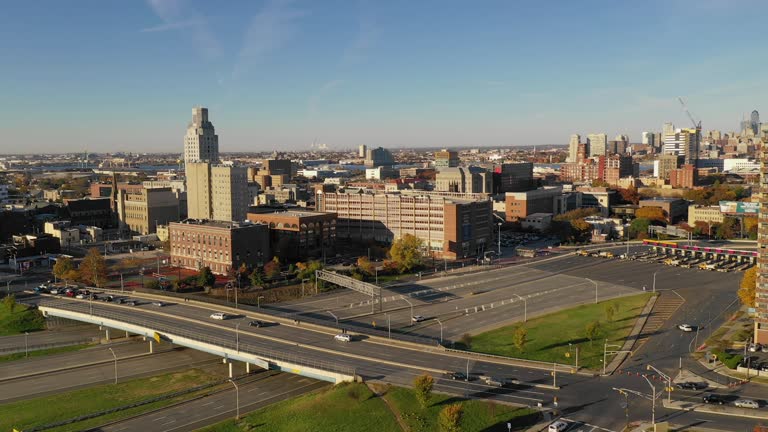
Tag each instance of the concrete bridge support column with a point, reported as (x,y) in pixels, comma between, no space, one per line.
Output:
(151,346)
(106,332)
(126,334)
(230,370)
(247,368)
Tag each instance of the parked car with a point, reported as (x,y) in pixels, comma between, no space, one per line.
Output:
(686,327)
(219,316)
(256,323)
(558,426)
(746,403)
(711,398)
(754,347)
(343,337)
(417,318)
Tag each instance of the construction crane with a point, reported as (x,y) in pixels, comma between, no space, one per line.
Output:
(696,125)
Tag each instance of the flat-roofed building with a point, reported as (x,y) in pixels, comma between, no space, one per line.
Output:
(520,205)
(219,245)
(142,211)
(297,234)
(706,214)
(449,227)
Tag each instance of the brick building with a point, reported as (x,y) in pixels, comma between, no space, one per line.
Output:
(685,177)
(297,234)
(519,205)
(219,245)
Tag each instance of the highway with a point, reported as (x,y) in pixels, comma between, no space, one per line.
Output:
(707,300)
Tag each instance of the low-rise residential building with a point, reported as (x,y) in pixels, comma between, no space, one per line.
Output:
(297,234)
(706,214)
(219,245)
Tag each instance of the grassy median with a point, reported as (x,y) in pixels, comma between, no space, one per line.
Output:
(30,413)
(43,352)
(353,407)
(554,337)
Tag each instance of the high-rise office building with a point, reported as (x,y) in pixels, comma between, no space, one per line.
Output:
(648,138)
(378,157)
(573,147)
(446,159)
(217,192)
(464,180)
(201,144)
(668,128)
(598,144)
(761,289)
(361,150)
(683,142)
(754,122)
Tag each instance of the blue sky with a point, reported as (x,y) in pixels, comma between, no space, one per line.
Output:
(280,74)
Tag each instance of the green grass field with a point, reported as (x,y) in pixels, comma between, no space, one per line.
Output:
(26,414)
(551,337)
(20,320)
(478,415)
(353,407)
(43,352)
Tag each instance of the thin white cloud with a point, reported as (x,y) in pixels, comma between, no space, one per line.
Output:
(367,34)
(176,15)
(313,104)
(270,30)
(170,26)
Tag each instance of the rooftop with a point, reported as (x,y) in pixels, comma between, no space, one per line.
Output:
(216,224)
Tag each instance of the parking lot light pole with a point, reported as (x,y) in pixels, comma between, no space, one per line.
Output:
(525,308)
(115,357)
(595,288)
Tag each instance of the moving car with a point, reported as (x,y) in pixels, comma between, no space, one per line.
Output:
(158,303)
(417,318)
(685,327)
(746,403)
(219,316)
(343,337)
(495,382)
(711,398)
(688,385)
(458,376)
(558,426)
(255,323)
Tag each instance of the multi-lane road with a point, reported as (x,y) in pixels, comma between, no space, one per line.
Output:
(706,298)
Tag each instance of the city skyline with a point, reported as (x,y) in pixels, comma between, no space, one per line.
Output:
(280,75)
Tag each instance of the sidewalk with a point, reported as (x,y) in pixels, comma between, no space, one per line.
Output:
(632,337)
(716,409)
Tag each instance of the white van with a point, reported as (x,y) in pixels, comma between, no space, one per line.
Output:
(343,337)
(219,316)
(558,426)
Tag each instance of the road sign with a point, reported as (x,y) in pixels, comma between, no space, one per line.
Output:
(157,337)
(568,355)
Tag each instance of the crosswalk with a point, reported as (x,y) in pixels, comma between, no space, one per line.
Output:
(666,305)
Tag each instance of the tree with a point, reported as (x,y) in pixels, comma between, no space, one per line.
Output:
(639,228)
(750,227)
(93,269)
(520,338)
(62,267)
(450,418)
(406,251)
(10,302)
(422,386)
(307,270)
(656,214)
(151,284)
(129,263)
(747,287)
(256,277)
(629,195)
(272,269)
(206,278)
(466,340)
(592,330)
(610,311)
(366,266)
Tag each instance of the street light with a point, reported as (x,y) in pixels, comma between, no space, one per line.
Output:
(335,317)
(653,401)
(237,399)
(411,305)
(499,239)
(302,285)
(525,307)
(258,301)
(667,378)
(237,336)
(115,356)
(654,281)
(26,344)
(389,327)
(595,288)
(441,329)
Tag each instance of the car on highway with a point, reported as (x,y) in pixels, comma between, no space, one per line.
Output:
(159,303)
(255,323)
(458,376)
(686,327)
(711,398)
(343,337)
(494,382)
(130,302)
(689,385)
(746,403)
(558,426)
(219,316)
(417,318)
(754,347)
(81,296)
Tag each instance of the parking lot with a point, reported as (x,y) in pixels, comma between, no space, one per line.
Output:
(651,256)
